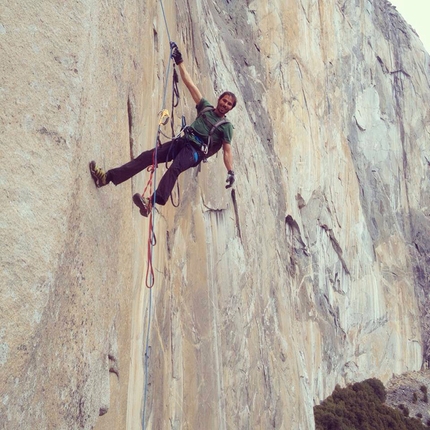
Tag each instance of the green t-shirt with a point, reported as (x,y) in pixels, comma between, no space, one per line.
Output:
(223,133)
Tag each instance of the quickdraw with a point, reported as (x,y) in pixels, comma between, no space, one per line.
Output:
(164,117)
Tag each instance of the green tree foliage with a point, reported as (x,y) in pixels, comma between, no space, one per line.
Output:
(360,406)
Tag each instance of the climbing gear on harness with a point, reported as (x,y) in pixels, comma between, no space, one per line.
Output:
(98,175)
(176,54)
(143,203)
(199,140)
(230,179)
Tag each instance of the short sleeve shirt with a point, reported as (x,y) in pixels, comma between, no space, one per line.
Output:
(223,133)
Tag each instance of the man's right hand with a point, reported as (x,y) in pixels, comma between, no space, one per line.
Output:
(176,54)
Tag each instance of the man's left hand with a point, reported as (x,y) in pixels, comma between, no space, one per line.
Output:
(230,179)
(176,54)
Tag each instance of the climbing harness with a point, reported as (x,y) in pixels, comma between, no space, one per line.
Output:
(204,142)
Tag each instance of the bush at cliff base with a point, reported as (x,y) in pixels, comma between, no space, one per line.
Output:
(360,406)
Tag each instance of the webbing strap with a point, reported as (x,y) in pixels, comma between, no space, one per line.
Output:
(208,122)
(217,124)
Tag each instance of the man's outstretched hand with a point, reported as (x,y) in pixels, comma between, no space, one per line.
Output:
(176,54)
(230,179)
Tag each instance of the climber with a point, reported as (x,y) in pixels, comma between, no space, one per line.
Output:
(210,132)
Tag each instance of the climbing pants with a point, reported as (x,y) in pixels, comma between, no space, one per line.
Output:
(181,151)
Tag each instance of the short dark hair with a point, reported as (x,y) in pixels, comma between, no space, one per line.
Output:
(229,93)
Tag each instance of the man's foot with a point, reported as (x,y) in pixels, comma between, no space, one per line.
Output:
(143,203)
(98,174)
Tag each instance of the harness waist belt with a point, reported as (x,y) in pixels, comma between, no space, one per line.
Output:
(196,138)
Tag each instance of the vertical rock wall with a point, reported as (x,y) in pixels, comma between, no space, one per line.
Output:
(72,82)
(310,272)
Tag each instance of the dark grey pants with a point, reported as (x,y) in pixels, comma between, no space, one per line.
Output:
(181,151)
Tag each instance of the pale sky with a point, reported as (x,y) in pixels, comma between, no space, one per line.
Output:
(417,14)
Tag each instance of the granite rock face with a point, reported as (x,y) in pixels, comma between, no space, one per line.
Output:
(311,272)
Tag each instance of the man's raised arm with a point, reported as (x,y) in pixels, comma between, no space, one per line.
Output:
(186,78)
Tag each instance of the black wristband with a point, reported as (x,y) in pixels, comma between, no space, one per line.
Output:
(230,172)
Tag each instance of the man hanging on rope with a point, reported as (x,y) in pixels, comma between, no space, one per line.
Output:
(210,132)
